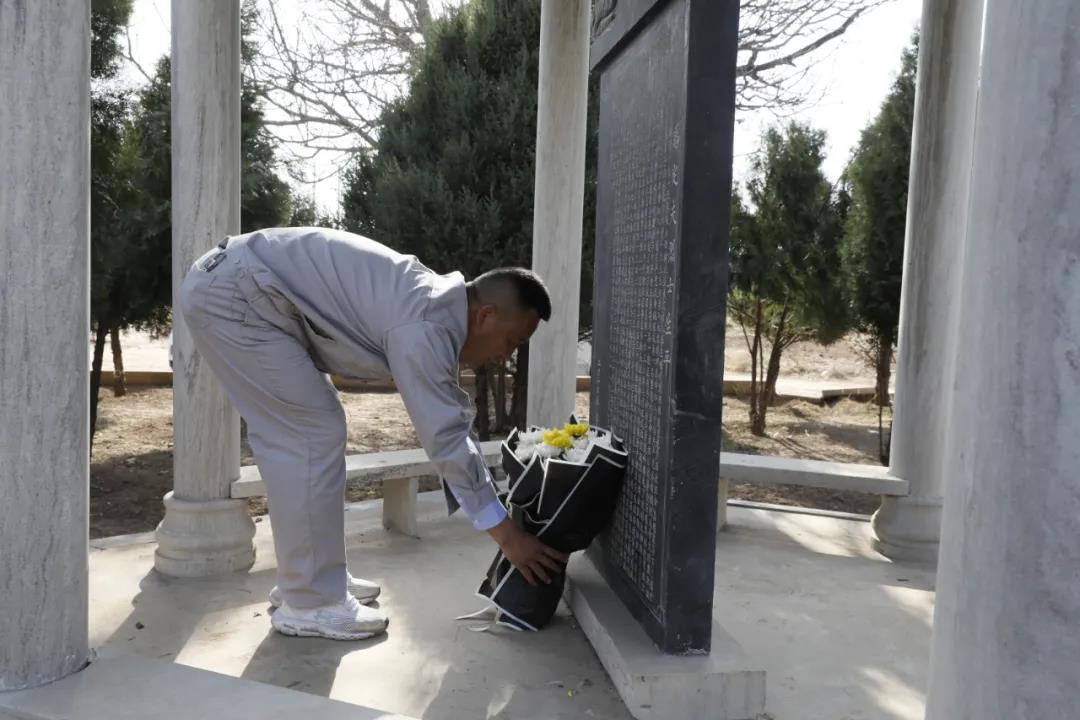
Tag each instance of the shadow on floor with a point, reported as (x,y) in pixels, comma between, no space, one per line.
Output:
(306,664)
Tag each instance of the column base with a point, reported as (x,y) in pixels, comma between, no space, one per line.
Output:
(198,538)
(908,528)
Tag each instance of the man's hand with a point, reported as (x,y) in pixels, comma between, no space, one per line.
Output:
(531,557)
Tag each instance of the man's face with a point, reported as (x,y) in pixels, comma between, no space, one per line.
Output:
(494,335)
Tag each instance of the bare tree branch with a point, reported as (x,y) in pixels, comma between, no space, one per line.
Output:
(755,68)
(331,68)
(130,57)
(777,42)
(328,69)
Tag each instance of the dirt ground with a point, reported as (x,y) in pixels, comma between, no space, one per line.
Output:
(843,360)
(806,361)
(131,465)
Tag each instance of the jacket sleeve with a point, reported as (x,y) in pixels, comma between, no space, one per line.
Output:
(424,365)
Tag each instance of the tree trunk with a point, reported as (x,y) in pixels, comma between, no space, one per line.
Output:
(772,374)
(768,391)
(883,368)
(521,388)
(756,351)
(119,379)
(500,398)
(95,376)
(483,418)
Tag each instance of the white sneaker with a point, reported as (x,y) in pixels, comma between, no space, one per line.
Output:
(363,590)
(347,620)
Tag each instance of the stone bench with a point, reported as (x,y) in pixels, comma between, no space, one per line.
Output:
(769,470)
(399,471)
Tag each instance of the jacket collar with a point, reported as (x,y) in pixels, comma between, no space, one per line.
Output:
(449,306)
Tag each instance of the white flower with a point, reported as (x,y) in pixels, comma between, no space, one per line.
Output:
(535,437)
(532,443)
(577,455)
(582,445)
(528,445)
(547,451)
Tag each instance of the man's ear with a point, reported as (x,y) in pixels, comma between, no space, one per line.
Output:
(477,312)
(484,312)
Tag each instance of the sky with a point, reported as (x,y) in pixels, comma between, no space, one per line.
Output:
(849,82)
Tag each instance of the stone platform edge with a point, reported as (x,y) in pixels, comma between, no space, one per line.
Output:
(725,685)
(129,687)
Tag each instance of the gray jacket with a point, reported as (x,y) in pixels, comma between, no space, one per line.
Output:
(365,311)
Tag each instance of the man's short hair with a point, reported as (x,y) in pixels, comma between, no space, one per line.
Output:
(514,285)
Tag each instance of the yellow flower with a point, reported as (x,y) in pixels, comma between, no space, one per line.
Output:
(576,430)
(558,438)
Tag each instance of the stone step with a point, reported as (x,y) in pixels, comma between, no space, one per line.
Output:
(129,687)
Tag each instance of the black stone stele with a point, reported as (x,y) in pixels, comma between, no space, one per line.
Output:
(667,105)
(566,505)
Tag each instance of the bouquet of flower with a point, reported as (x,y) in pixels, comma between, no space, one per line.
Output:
(564,483)
(571,442)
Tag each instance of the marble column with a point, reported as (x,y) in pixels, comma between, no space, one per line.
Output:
(908,528)
(44,329)
(204,532)
(1005,641)
(560,194)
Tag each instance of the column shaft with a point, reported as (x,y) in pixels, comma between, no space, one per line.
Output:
(562,115)
(1005,642)
(44,328)
(203,532)
(909,527)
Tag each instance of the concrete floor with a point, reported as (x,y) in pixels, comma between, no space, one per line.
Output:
(843,633)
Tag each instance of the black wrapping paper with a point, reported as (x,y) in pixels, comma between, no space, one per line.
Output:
(566,505)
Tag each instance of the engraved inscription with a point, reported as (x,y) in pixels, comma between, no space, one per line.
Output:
(644,177)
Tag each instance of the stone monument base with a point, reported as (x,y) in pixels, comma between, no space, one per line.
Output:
(725,685)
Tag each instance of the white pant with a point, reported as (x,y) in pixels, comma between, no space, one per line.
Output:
(295,422)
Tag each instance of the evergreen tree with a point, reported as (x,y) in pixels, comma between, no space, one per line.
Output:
(131,227)
(265,199)
(451,179)
(108,184)
(305,213)
(873,250)
(785,284)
